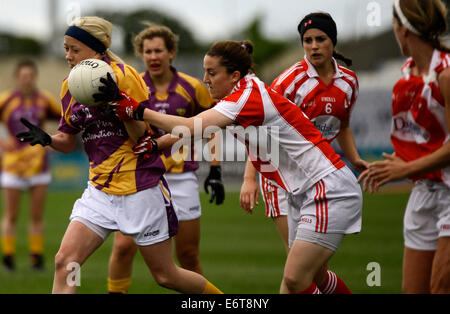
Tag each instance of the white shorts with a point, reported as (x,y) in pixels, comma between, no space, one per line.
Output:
(185,197)
(147,216)
(9,180)
(275,198)
(332,205)
(427,215)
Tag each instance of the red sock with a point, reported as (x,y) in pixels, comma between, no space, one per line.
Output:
(312,289)
(334,285)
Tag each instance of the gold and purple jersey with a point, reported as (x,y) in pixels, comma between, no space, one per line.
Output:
(186,97)
(114,168)
(25,160)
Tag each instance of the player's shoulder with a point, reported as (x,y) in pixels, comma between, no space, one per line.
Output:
(295,69)
(4,95)
(46,94)
(291,73)
(122,69)
(347,72)
(195,82)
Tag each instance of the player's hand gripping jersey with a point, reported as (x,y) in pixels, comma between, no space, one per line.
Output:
(114,168)
(418,115)
(25,160)
(185,97)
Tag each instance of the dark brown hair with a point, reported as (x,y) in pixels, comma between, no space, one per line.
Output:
(234,55)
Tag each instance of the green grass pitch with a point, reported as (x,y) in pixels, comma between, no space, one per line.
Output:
(240,253)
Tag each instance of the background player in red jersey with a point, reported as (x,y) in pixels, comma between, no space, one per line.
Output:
(421,140)
(326,93)
(324,192)
(176,93)
(25,167)
(125,192)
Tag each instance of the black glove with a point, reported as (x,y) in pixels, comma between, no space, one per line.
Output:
(214,180)
(35,135)
(146,145)
(109,91)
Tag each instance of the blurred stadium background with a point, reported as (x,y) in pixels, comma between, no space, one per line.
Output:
(241,253)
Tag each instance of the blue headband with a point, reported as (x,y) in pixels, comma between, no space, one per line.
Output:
(86,38)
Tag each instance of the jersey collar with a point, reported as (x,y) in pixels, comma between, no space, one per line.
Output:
(173,82)
(432,76)
(311,71)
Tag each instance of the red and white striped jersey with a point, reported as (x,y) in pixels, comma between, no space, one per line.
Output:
(419,125)
(298,156)
(327,106)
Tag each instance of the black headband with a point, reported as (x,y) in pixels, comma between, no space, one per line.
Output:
(324,23)
(86,38)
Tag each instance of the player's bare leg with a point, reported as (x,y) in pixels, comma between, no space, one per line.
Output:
(12,204)
(78,243)
(417,271)
(161,263)
(281,223)
(36,226)
(121,263)
(9,222)
(187,243)
(304,261)
(37,200)
(440,274)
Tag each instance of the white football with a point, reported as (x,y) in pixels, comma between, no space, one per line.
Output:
(84,80)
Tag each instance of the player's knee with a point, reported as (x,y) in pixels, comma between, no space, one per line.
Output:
(124,249)
(60,261)
(188,258)
(440,283)
(10,220)
(295,285)
(163,279)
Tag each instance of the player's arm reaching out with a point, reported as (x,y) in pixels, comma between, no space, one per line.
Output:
(347,144)
(394,168)
(249,196)
(62,142)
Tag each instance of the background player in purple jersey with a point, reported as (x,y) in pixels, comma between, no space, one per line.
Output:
(25,167)
(174,93)
(125,192)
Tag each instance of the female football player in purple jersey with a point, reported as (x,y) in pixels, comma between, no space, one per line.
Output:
(175,93)
(25,167)
(125,192)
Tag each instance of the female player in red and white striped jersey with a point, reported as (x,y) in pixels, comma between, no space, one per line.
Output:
(421,139)
(326,92)
(304,163)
